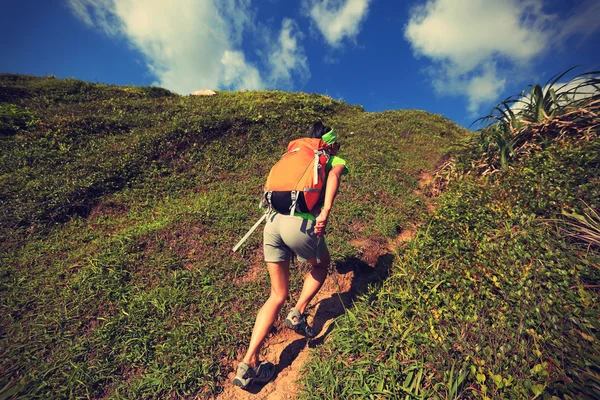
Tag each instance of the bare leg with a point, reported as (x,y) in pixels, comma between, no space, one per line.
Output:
(279,273)
(313,281)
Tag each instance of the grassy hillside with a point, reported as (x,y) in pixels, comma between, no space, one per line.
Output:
(119,207)
(498,295)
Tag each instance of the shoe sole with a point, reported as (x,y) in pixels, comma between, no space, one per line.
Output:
(289,324)
(240,383)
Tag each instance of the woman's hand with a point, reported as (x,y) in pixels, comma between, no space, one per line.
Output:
(321,223)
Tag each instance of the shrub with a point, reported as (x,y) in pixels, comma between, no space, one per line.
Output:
(490,300)
(554,112)
(14,118)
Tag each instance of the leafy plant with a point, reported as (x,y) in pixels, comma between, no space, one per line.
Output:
(530,121)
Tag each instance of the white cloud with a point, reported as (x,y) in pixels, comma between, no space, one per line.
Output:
(468,32)
(237,73)
(337,19)
(330,59)
(288,56)
(480,87)
(192,44)
(483,88)
(476,44)
(96,14)
(584,20)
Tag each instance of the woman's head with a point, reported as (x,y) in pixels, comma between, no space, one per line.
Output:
(320,131)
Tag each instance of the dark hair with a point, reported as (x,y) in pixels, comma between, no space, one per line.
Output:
(318,130)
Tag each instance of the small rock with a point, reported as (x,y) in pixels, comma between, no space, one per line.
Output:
(204,92)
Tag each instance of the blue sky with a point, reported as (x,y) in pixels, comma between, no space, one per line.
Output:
(453,57)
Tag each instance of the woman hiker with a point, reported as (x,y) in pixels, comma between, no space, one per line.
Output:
(284,236)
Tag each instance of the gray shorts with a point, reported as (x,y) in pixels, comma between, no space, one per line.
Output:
(285,236)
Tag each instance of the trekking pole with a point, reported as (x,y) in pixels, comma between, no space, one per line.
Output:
(247,235)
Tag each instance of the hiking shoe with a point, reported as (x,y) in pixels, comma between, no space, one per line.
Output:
(246,375)
(297,322)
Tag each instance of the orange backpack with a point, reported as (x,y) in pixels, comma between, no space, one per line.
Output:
(297,179)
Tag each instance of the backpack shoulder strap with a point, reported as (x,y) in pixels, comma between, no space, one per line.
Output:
(312,143)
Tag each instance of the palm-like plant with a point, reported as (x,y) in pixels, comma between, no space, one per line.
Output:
(528,121)
(547,102)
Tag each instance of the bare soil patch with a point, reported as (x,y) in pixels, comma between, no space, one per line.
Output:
(109,208)
(369,249)
(428,190)
(403,237)
(255,270)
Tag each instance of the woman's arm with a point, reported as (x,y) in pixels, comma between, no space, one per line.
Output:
(334,178)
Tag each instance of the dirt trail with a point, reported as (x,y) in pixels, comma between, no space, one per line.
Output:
(290,351)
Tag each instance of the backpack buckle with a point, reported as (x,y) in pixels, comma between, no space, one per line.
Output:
(294,195)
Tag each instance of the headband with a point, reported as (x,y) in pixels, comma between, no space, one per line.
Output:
(330,137)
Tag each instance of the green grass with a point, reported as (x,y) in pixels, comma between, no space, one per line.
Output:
(491,300)
(119,207)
